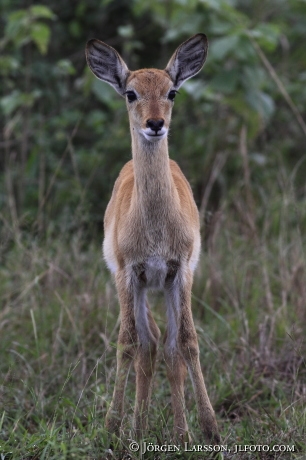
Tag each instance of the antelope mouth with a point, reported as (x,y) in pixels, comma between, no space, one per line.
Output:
(154,136)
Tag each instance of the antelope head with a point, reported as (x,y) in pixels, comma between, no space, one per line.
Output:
(149,93)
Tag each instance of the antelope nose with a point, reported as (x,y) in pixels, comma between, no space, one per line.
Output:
(155,124)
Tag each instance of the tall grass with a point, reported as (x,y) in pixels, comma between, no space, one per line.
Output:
(59,324)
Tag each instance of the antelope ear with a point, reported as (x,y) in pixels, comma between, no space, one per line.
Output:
(188,59)
(106,64)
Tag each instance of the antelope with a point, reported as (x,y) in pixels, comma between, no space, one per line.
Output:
(152,239)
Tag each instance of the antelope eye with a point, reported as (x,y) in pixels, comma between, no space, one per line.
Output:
(131,96)
(172,95)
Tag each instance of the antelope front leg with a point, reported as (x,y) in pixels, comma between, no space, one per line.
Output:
(148,336)
(175,364)
(188,343)
(176,373)
(127,347)
(145,368)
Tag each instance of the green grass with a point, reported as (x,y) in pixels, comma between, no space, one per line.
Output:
(59,325)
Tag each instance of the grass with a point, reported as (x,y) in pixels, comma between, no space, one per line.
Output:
(59,324)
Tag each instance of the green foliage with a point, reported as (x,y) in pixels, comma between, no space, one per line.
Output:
(59,328)
(52,106)
(239,135)
(25,25)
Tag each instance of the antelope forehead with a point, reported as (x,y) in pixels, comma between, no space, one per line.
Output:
(149,81)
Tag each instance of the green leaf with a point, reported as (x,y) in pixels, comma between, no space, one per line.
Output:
(17,99)
(17,16)
(262,103)
(17,27)
(75,28)
(105,93)
(65,67)
(8,64)
(267,36)
(11,102)
(41,11)
(221,47)
(226,81)
(126,31)
(40,33)
(23,25)
(212,4)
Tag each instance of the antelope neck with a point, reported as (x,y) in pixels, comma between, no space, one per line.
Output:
(153,180)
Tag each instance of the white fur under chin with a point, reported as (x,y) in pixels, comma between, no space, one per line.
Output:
(154,138)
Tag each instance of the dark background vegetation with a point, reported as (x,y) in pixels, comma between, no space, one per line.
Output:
(239,136)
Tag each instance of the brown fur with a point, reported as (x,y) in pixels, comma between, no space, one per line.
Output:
(152,239)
